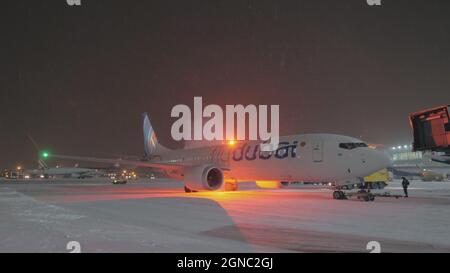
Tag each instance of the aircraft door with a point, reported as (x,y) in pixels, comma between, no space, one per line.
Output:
(317,151)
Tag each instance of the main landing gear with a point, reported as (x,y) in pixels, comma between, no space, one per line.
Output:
(228,186)
(186,189)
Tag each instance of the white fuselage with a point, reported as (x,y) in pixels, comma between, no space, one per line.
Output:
(308,157)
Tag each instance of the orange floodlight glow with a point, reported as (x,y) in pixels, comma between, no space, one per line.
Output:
(375,146)
(231,142)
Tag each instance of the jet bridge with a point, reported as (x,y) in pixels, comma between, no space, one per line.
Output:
(431,129)
(431,132)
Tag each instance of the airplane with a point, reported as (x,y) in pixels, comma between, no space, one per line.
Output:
(45,172)
(330,158)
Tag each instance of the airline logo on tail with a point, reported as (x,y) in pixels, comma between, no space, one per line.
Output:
(150,139)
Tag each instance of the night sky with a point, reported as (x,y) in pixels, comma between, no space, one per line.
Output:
(78,78)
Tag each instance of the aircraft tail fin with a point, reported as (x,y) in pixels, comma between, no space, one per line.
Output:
(151,144)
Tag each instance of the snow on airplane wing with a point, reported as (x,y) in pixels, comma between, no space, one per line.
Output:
(137,163)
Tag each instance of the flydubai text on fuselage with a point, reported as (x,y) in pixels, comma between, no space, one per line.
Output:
(308,157)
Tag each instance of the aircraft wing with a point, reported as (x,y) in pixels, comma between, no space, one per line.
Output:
(441,158)
(136,163)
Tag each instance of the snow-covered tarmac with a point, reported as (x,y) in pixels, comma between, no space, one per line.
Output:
(157,216)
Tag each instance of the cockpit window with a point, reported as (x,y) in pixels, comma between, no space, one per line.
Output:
(352,145)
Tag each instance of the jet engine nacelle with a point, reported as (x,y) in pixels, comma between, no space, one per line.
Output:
(204,178)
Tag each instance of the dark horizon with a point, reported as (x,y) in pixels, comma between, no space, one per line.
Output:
(78,78)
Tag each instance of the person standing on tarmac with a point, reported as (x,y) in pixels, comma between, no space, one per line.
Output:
(405,184)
